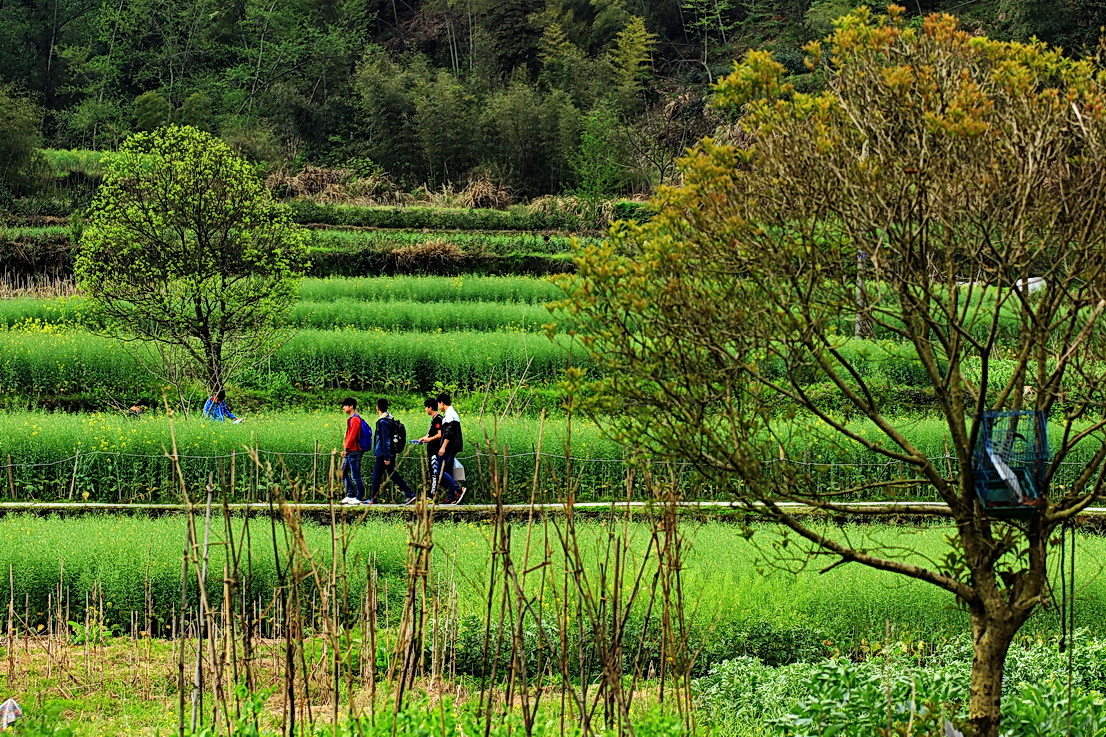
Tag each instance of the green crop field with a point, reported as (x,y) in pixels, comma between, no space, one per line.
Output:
(44,360)
(476,242)
(729,583)
(345,313)
(762,604)
(526,290)
(109,457)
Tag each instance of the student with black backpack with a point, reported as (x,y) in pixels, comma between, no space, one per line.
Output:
(358,439)
(452,444)
(391,436)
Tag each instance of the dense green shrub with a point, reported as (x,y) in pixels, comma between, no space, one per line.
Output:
(640,212)
(360,263)
(860,698)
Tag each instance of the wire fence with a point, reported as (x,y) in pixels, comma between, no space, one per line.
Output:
(314,476)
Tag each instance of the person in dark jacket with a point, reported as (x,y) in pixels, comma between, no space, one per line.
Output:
(385,455)
(433,442)
(452,444)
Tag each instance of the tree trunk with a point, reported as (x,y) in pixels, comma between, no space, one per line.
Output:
(991,638)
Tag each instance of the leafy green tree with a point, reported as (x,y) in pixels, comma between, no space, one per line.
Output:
(185,251)
(564,66)
(633,68)
(821,14)
(1073,24)
(528,137)
(953,167)
(714,23)
(19,140)
(445,119)
(598,162)
(198,111)
(151,110)
(387,119)
(589,25)
(182,44)
(515,37)
(98,67)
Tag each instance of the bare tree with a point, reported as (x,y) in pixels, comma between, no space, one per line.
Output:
(959,167)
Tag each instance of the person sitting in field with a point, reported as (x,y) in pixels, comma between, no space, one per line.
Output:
(216,408)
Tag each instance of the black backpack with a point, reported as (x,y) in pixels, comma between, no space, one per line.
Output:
(399,436)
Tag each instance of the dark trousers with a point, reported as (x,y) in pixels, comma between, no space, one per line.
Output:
(351,474)
(452,489)
(381,472)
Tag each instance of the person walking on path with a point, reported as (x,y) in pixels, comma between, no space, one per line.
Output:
(433,442)
(452,444)
(358,440)
(385,452)
(215,408)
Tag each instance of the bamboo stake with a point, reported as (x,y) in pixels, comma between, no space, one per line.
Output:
(197,682)
(73,480)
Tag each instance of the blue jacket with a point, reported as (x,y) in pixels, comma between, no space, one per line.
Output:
(214,409)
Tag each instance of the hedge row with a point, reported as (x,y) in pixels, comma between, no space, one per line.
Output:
(48,250)
(359,263)
(519,218)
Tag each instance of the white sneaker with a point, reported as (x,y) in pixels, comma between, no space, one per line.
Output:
(351,500)
(238,420)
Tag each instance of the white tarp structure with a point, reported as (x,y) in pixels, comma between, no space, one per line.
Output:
(9,712)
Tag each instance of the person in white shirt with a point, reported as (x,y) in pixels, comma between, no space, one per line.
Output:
(452,444)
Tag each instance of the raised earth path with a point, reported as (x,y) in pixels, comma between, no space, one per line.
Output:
(704,508)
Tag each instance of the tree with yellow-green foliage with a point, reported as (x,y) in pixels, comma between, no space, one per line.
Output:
(951,168)
(186,251)
(632,63)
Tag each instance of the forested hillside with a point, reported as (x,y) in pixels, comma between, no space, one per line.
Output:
(540,95)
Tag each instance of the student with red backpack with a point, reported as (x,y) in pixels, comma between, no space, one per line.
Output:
(359,438)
